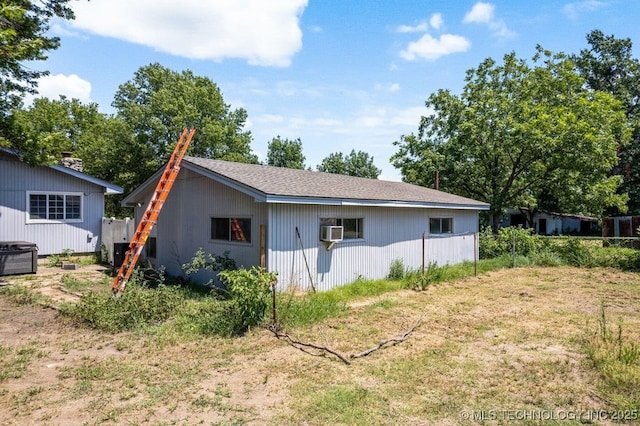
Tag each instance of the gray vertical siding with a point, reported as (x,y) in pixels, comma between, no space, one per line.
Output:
(184,224)
(16,179)
(389,233)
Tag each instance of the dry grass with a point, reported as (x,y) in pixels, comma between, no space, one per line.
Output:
(508,340)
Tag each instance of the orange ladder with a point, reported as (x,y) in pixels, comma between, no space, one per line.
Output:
(150,215)
(238,233)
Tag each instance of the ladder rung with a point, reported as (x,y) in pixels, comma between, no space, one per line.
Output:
(152,211)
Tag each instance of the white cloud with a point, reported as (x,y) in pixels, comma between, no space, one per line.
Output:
(430,48)
(58,28)
(483,13)
(480,13)
(436,21)
(501,30)
(71,86)
(269,35)
(572,10)
(419,28)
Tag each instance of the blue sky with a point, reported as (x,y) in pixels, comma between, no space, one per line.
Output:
(338,74)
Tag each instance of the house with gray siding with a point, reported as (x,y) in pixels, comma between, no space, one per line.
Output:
(56,207)
(550,223)
(316,230)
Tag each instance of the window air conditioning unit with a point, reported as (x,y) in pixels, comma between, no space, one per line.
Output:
(331,233)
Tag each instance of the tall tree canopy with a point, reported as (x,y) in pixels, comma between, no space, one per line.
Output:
(358,164)
(608,65)
(159,103)
(285,153)
(519,134)
(23,37)
(49,127)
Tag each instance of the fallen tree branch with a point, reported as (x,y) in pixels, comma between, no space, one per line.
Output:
(304,346)
(307,347)
(390,341)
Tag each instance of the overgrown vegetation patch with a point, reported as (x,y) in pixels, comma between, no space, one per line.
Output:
(201,310)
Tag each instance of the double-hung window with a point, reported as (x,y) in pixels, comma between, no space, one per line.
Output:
(54,206)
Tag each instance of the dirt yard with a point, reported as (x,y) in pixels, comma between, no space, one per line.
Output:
(509,340)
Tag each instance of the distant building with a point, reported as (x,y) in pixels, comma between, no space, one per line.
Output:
(549,223)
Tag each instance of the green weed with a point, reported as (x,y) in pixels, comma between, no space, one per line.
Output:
(21,295)
(74,284)
(14,362)
(617,357)
(397,270)
(138,307)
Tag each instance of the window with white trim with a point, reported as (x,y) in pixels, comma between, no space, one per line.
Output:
(54,206)
(353,228)
(441,225)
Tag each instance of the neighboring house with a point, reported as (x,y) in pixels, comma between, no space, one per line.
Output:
(57,208)
(621,226)
(285,219)
(549,223)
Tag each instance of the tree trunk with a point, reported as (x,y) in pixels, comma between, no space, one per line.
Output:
(494,219)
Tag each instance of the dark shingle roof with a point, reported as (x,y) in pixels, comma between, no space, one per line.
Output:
(283,182)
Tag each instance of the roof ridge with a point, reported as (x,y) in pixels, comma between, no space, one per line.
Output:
(308,184)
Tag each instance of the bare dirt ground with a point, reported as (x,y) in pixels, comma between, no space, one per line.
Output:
(506,340)
(61,362)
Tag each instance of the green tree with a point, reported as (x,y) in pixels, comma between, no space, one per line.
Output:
(104,143)
(23,37)
(285,153)
(48,127)
(608,65)
(159,103)
(518,132)
(358,164)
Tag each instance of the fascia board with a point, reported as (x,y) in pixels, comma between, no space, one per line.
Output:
(370,203)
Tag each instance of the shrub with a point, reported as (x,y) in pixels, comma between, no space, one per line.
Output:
(574,253)
(421,280)
(248,291)
(526,243)
(489,245)
(209,262)
(396,270)
(547,257)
